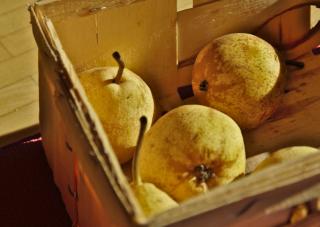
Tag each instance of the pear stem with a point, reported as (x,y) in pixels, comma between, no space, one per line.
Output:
(118,77)
(135,171)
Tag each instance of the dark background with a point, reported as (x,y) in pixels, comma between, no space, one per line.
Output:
(28,195)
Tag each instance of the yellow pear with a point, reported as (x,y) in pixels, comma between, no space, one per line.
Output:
(152,200)
(119,97)
(240,75)
(191,149)
(286,154)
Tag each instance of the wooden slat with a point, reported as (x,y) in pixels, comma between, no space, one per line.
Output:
(293,122)
(18,124)
(210,21)
(18,110)
(201,2)
(14,21)
(35,78)
(299,198)
(19,42)
(4,54)
(300,20)
(312,221)
(23,92)
(221,17)
(271,32)
(184,4)
(17,68)
(277,182)
(136,39)
(11,5)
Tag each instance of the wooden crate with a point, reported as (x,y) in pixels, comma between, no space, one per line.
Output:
(76,35)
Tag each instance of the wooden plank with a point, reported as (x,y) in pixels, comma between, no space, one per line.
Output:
(19,124)
(19,42)
(308,194)
(4,54)
(18,111)
(35,78)
(17,68)
(312,221)
(221,17)
(201,2)
(249,212)
(148,47)
(17,95)
(271,32)
(14,21)
(300,19)
(212,20)
(263,189)
(291,124)
(10,5)
(184,4)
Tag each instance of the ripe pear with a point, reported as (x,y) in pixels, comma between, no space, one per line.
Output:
(286,154)
(119,98)
(152,200)
(190,149)
(240,75)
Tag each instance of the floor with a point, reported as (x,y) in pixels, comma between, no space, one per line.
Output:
(18,72)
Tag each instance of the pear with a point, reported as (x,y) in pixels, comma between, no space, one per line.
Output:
(152,200)
(191,149)
(286,154)
(240,75)
(119,98)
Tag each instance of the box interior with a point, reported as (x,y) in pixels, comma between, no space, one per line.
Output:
(160,49)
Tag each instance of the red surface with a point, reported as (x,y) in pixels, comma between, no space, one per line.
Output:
(28,195)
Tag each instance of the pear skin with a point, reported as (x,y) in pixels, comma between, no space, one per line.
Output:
(153,200)
(286,154)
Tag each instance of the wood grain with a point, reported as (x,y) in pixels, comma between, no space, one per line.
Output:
(4,54)
(13,21)
(212,20)
(18,110)
(221,17)
(17,68)
(19,42)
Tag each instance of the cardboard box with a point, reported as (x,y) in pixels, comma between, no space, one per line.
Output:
(160,44)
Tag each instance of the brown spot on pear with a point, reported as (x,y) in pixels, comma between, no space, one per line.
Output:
(240,75)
